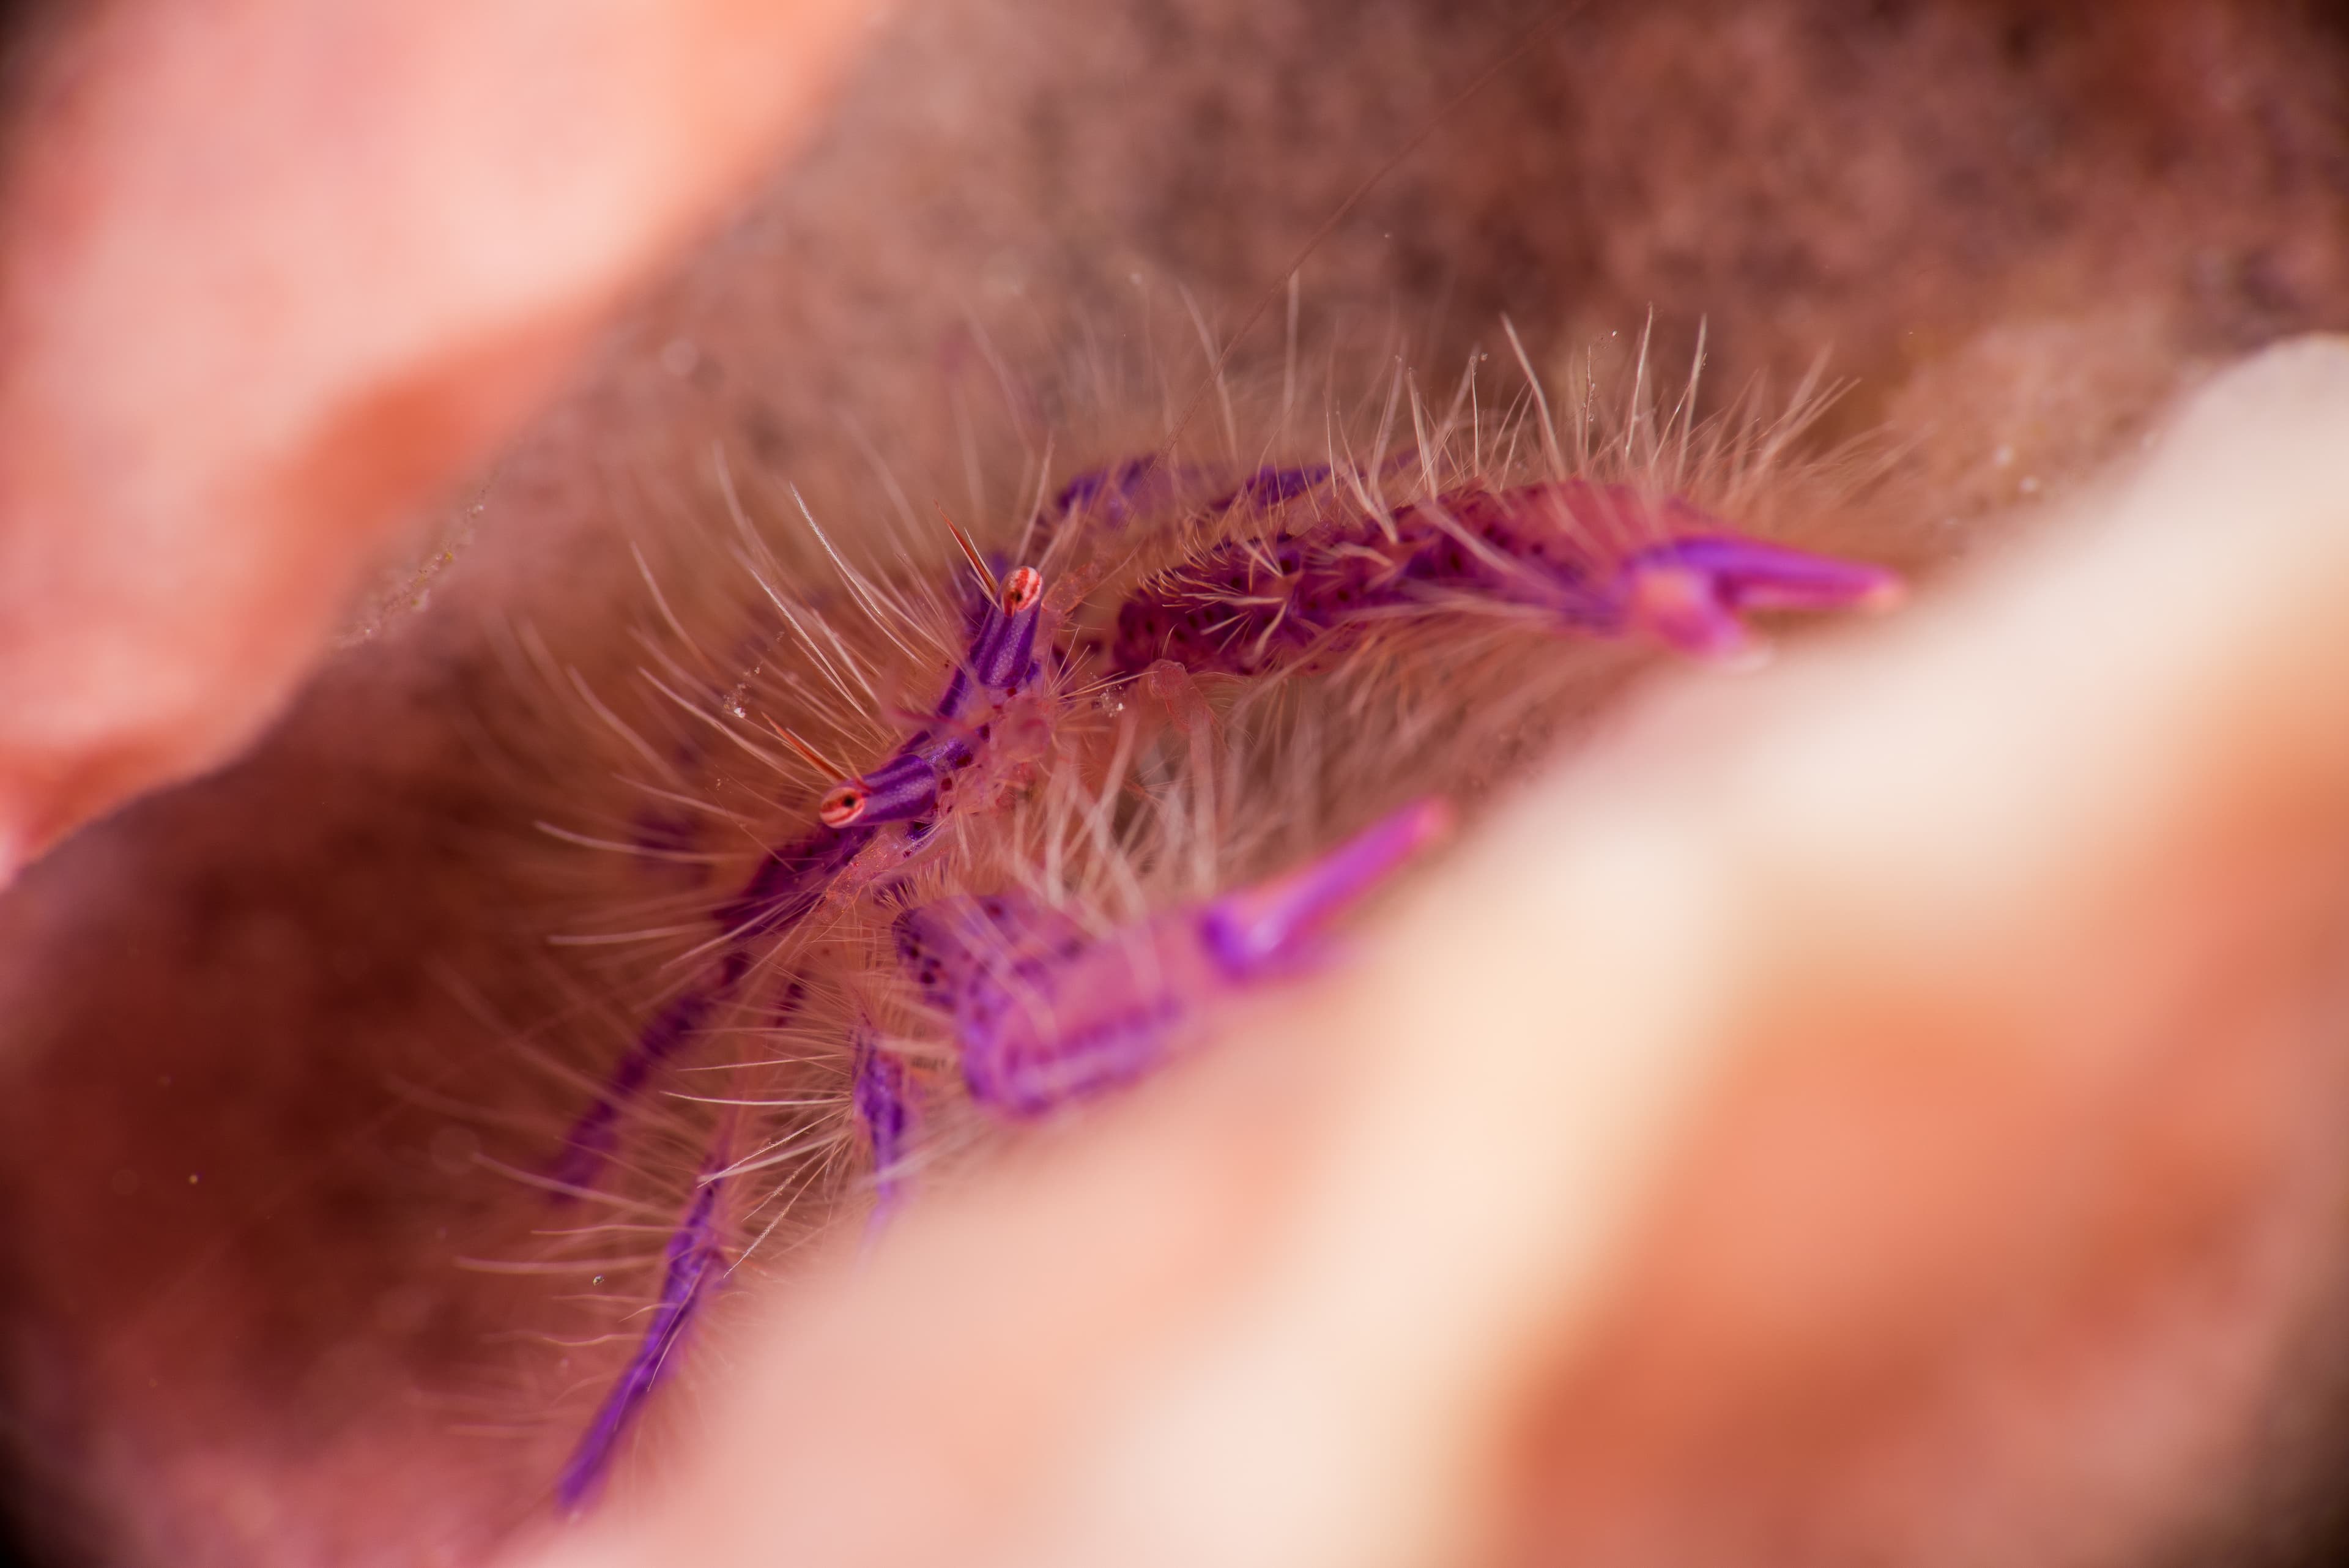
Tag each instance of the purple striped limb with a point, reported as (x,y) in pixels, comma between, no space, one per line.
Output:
(589,1143)
(695,1265)
(790,882)
(882,1090)
(588,1146)
(1593,560)
(1046,1014)
(792,879)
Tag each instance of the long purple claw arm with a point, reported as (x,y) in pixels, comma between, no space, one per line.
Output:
(1045,1016)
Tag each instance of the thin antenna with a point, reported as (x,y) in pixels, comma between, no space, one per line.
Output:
(808,753)
(970,553)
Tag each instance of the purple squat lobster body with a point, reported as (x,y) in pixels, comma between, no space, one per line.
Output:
(1045,1012)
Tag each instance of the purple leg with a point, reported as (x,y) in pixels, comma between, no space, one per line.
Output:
(791,881)
(882,1094)
(787,886)
(1046,1016)
(589,1142)
(695,1263)
(1271,927)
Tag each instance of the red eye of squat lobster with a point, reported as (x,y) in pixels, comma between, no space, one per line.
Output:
(842,805)
(1022,588)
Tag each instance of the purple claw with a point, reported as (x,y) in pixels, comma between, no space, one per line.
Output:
(1598,560)
(1689,592)
(1046,1015)
(694,1263)
(1266,929)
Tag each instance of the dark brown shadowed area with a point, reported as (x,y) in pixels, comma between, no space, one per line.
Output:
(257,1029)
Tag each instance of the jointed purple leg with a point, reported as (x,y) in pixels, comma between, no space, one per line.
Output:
(1045,1015)
(882,1094)
(695,1263)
